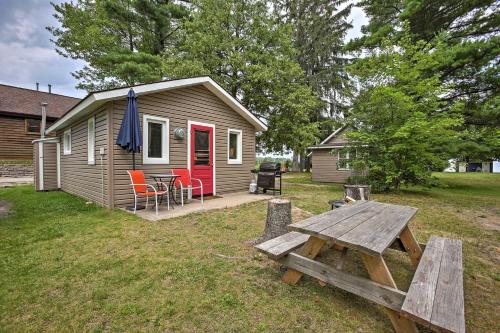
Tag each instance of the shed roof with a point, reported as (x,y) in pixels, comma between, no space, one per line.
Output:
(22,101)
(98,98)
(326,144)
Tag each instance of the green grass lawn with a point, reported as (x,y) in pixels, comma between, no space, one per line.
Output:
(66,266)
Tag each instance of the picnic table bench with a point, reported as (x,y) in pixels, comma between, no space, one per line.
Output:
(435,296)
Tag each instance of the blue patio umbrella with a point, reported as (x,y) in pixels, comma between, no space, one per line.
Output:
(130,137)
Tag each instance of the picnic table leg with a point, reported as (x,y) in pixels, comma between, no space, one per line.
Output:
(310,250)
(411,245)
(378,271)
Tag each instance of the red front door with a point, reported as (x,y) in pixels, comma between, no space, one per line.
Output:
(202,164)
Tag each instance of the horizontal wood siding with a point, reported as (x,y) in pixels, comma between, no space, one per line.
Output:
(324,167)
(77,176)
(16,143)
(179,106)
(49,166)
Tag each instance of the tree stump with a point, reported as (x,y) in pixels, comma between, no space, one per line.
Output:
(357,192)
(279,216)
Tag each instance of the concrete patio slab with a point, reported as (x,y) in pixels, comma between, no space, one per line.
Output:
(195,206)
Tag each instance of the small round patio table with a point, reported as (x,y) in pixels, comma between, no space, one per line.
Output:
(167,179)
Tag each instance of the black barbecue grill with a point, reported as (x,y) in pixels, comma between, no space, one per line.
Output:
(267,175)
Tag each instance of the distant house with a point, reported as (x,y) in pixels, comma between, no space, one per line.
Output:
(188,123)
(489,166)
(330,162)
(20,117)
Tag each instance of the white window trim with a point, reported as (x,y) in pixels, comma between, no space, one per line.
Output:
(165,137)
(91,141)
(348,168)
(66,149)
(190,123)
(239,158)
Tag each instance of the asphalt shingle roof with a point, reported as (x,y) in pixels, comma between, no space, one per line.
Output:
(23,101)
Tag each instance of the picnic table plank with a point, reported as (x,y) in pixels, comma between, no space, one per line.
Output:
(422,288)
(378,233)
(310,250)
(435,297)
(373,291)
(315,224)
(448,308)
(280,246)
(369,226)
(343,227)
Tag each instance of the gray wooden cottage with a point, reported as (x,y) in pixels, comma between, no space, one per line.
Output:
(84,160)
(330,162)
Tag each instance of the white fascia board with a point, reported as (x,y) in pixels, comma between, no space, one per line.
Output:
(68,117)
(332,135)
(327,147)
(96,99)
(332,146)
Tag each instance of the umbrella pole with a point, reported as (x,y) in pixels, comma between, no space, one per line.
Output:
(133,160)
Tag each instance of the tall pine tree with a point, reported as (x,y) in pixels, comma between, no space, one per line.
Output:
(242,46)
(466,37)
(319,29)
(121,41)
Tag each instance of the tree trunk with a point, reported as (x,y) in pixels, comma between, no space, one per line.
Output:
(308,164)
(357,192)
(295,162)
(279,216)
(302,161)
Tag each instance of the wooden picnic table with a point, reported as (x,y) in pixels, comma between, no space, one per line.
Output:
(370,228)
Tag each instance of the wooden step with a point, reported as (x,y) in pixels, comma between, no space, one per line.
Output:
(436,295)
(279,247)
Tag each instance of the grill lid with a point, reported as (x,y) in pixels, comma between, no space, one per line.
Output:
(270,167)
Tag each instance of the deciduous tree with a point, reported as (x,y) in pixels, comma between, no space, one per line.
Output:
(242,46)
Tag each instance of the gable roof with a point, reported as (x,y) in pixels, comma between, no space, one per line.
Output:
(324,144)
(98,98)
(22,101)
(337,131)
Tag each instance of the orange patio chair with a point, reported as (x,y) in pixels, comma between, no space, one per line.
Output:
(185,182)
(143,190)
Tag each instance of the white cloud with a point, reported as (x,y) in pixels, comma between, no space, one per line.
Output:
(359,19)
(25,65)
(27,54)
(22,28)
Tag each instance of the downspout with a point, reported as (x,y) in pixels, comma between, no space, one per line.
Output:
(41,148)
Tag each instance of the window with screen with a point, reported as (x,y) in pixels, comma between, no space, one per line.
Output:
(67,142)
(155,145)
(33,126)
(234,146)
(201,147)
(343,160)
(91,141)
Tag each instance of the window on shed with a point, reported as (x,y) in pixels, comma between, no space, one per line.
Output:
(91,140)
(156,139)
(67,142)
(234,146)
(343,159)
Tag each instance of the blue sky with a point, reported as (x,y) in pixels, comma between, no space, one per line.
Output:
(28,56)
